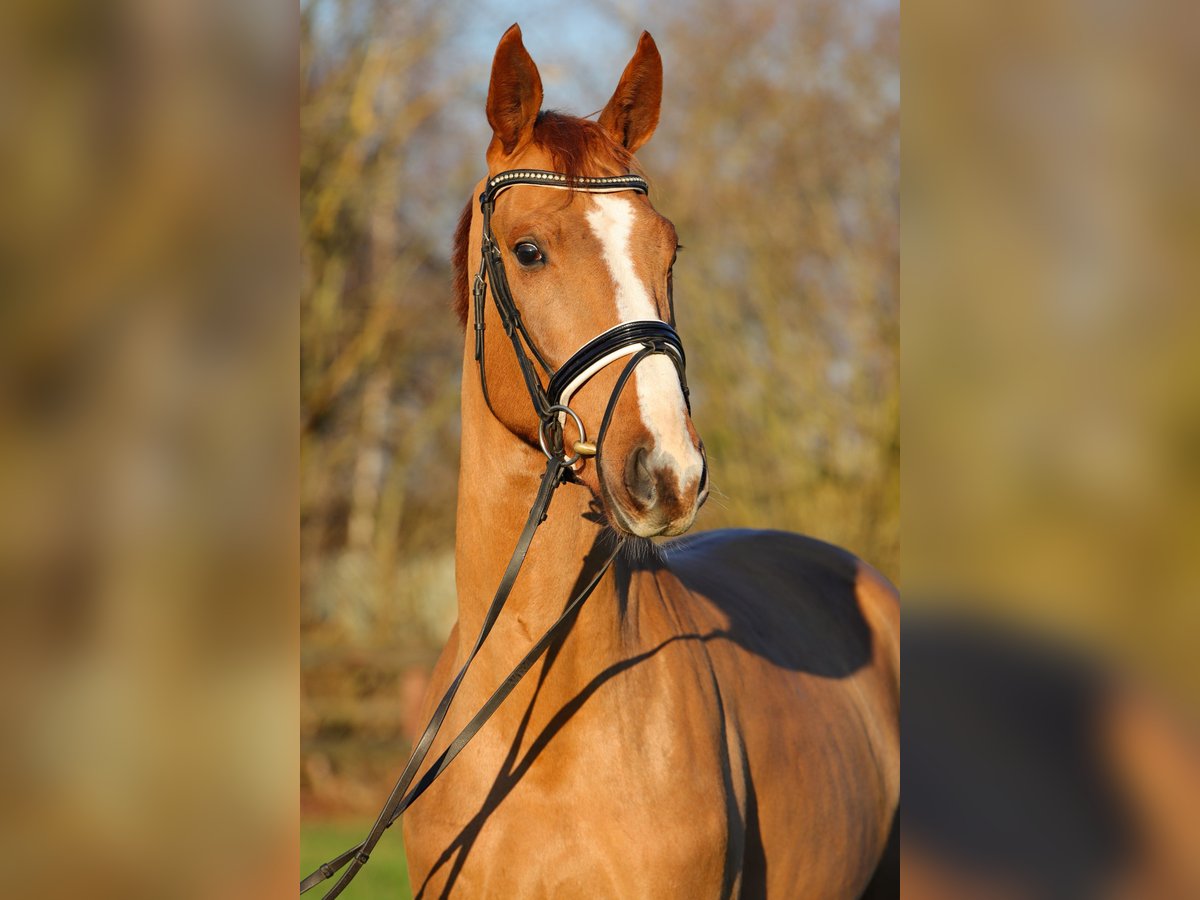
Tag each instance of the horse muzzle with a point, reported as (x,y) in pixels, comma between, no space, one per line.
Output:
(655,493)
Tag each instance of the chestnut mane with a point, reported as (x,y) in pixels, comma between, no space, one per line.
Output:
(579,147)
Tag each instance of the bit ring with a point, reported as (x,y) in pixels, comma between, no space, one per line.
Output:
(566,462)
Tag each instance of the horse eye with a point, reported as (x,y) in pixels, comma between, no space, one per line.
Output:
(528,254)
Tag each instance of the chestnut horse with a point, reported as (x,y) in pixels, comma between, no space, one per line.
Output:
(722,717)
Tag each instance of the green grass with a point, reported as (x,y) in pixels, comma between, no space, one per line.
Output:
(386,875)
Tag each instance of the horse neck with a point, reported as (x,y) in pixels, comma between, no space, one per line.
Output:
(499,476)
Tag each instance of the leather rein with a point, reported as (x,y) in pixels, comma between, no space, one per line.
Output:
(638,340)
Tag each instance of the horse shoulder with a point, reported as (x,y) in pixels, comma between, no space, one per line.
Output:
(808,659)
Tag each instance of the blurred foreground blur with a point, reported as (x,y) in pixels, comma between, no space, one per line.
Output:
(1051,463)
(1032,769)
(147,452)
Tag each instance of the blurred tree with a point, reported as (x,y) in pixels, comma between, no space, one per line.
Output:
(778,160)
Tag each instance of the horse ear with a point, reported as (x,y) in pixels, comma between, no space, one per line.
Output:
(632,114)
(514,94)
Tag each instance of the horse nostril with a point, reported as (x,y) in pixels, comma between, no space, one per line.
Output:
(639,479)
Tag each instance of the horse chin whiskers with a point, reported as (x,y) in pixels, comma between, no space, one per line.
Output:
(639,551)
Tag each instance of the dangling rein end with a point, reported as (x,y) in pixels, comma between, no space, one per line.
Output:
(584,448)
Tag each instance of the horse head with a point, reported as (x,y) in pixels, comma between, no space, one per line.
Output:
(577,262)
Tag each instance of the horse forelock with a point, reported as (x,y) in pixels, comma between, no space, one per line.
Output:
(578,148)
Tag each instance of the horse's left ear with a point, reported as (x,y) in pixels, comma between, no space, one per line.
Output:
(632,114)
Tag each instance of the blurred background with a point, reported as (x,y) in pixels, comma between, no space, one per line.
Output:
(1051,319)
(159,443)
(1051,477)
(777,158)
(148,461)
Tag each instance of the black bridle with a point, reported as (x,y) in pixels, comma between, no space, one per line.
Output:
(627,338)
(638,340)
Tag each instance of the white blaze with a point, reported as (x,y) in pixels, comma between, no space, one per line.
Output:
(660,397)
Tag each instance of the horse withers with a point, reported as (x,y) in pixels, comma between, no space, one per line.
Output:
(722,717)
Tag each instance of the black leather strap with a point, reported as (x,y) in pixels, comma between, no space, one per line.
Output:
(645,332)
(360,853)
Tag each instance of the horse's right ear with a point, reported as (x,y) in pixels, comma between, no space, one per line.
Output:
(632,114)
(514,95)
